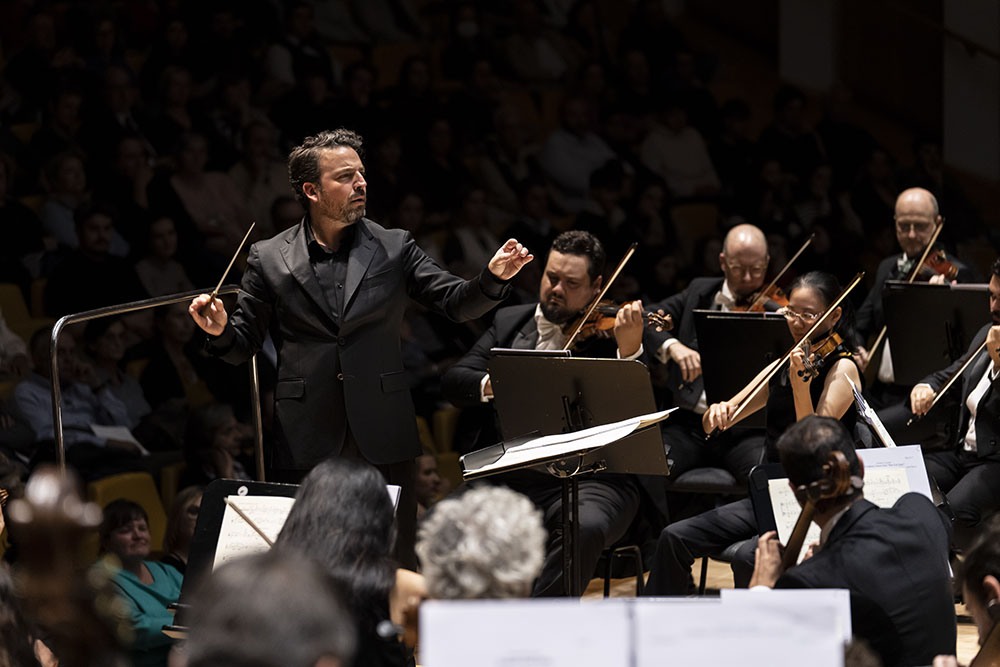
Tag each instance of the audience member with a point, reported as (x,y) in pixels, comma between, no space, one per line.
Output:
(104,344)
(181,521)
(160,273)
(214,447)
(572,153)
(146,586)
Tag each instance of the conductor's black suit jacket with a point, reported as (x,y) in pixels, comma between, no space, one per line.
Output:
(343,368)
(894,562)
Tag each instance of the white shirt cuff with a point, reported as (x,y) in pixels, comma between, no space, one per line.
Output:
(482,389)
(634,355)
(663,354)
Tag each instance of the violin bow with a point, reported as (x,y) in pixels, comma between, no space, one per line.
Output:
(763,293)
(788,355)
(597,300)
(215,292)
(947,385)
(909,280)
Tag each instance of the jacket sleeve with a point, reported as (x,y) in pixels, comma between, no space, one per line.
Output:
(460,384)
(445,293)
(248,323)
(672,306)
(938,379)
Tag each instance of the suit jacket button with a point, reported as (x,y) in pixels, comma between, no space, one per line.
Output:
(340,376)
(341,341)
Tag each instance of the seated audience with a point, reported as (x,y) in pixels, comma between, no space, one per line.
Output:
(894,561)
(159,271)
(19,642)
(147,587)
(13,352)
(274,609)
(180,527)
(214,445)
(104,343)
(486,543)
(428,485)
(343,518)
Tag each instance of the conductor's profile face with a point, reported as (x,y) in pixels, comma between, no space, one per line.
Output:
(341,192)
(566,287)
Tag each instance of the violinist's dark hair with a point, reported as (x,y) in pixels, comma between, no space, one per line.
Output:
(117,514)
(982,559)
(806,445)
(829,289)
(995,267)
(303,161)
(582,244)
(343,518)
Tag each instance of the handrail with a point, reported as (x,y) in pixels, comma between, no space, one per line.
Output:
(132,307)
(970,45)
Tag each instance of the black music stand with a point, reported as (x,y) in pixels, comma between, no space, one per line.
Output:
(929,326)
(206,533)
(735,347)
(545,395)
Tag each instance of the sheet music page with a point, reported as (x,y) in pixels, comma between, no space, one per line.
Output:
(237,538)
(118,433)
(884,486)
(519,633)
(786,513)
(747,635)
(804,599)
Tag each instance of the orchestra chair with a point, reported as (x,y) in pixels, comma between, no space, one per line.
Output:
(631,551)
(170,476)
(713,484)
(138,487)
(15,312)
(444,423)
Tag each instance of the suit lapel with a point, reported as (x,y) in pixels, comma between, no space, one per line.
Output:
(358,261)
(295,254)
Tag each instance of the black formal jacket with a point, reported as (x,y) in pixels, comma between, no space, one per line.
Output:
(988,410)
(894,562)
(870,319)
(340,369)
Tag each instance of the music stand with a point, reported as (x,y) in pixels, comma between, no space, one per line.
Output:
(735,347)
(206,531)
(929,326)
(545,395)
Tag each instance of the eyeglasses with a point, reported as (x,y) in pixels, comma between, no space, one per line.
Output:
(790,314)
(918,227)
(755,270)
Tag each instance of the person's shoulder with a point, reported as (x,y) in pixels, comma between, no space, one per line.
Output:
(514,312)
(703,284)
(886,264)
(164,572)
(914,503)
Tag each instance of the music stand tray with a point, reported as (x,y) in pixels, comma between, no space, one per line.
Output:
(735,347)
(929,326)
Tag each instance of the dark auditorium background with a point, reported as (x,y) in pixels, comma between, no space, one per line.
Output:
(661,122)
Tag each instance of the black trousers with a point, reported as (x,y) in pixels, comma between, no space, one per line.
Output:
(738,451)
(972,486)
(704,535)
(401,474)
(608,505)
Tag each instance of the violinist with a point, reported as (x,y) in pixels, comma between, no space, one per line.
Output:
(608,503)
(916,217)
(894,561)
(979,576)
(809,384)
(969,472)
(744,261)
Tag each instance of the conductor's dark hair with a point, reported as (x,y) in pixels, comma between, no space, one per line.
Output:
(995,267)
(117,514)
(829,289)
(303,161)
(343,519)
(273,609)
(582,244)
(806,445)
(982,559)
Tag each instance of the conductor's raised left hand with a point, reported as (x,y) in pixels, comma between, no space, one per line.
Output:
(509,259)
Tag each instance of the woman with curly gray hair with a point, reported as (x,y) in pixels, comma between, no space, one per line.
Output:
(486,543)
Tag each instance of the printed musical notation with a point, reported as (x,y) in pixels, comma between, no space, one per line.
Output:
(237,538)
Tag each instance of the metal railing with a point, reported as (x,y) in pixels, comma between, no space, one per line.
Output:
(121,309)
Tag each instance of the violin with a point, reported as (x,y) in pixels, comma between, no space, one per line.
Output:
(937,264)
(836,481)
(759,299)
(600,321)
(819,353)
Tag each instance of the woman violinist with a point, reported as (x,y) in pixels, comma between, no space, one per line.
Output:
(812,383)
(787,398)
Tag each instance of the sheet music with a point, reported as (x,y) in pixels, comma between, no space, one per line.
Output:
(869,416)
(803,599)
(786,513)
(569,443)
(237,538)
(118,433)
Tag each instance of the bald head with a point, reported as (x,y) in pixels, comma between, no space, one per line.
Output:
(744,260)
(916,218)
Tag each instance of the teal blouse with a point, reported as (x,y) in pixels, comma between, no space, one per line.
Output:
(148,611)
